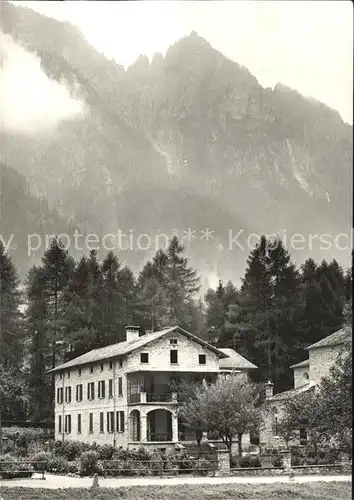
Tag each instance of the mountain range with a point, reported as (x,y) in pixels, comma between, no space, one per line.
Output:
(181,144)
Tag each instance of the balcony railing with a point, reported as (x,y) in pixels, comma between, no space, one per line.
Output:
(156,437)
(153,397)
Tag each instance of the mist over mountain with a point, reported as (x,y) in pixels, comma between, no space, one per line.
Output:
(188,142)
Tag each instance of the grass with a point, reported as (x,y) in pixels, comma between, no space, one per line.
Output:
(313,491)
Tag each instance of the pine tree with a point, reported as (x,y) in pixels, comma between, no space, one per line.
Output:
(45,289)
(263,322)
(325,292)
(57,267)
(78,305)
(167,288)
(11,327)
(40,346)
(181,282)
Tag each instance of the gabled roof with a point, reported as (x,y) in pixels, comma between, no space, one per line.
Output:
(234,360)
(337,338)
(123,348)
(293,392)
(302,363)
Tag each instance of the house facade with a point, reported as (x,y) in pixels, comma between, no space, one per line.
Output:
(127,394)
(307,378)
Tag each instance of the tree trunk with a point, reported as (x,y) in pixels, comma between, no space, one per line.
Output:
(239,443)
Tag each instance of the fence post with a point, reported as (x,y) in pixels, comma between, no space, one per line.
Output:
(222,462)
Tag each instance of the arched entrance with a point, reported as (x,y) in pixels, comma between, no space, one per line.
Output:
(135,429)
(159,425)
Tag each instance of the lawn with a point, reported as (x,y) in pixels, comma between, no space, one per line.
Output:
(313,491)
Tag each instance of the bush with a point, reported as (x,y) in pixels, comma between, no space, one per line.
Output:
(42,456)
(71,450)
(277,461)
(181,461)
(249,461)
(58,465)
(89,463)
(11,469)
(105,452)
(157,464)
(203,466)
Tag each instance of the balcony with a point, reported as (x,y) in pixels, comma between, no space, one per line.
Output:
(153,397)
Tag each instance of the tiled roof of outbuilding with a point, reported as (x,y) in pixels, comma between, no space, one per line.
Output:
(234,360)
(337,338)
(301,364)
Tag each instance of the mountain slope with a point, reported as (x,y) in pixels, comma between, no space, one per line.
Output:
(189,141)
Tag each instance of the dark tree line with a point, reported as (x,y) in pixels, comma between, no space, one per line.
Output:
(279,309)
(70,307)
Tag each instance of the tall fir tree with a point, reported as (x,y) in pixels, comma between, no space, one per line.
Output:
(167,286)
(11,325)
(263,323)
(45,289)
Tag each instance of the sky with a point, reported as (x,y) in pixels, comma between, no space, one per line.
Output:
(307,45)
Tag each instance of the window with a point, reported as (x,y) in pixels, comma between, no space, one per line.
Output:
(120,421)
(59,425)
(101,422)
(79,392)
(173,357)
(144,357)
(120,386)
(68,424)
(110,388)
(90,423)
(79,423)
(91,391)
(101,367)
(202,359)
(111,365)
(67,394)
(79,372)
(60,376)
(303,437)
(306,376)
(60,395)
(110,421)
(121,363)
(68,375)
(173,341)
(275,421)
(91,369)
(101,389)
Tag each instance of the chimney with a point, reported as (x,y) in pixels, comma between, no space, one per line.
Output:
(131,333)
(268,389)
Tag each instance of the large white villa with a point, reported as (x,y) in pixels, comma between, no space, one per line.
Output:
(125,394)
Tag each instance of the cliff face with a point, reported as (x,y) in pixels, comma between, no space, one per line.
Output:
(189,141)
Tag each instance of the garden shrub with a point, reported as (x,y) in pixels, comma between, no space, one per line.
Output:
(203,466)
(42,456)
(10,468)
(105,452)
(249,461)
(58,465)
(277,460)
(181,461)
(157,463)
(89,463)
(71,450)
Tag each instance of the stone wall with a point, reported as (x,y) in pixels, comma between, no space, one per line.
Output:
(301,376)
(304,470)
(321,360)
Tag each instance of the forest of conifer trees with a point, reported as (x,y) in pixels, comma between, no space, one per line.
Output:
(66,308)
